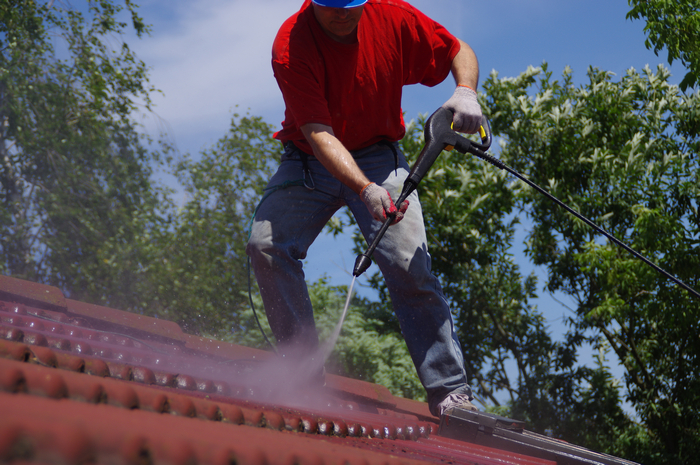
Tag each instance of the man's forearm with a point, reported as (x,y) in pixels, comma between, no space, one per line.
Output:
(334,156)
(465,66)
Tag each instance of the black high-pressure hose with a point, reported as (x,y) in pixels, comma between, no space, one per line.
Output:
(499,164)
(439,136)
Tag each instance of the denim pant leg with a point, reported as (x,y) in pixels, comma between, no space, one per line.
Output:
(416,294)
(285,225)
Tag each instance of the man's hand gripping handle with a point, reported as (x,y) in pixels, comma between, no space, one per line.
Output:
(380,205)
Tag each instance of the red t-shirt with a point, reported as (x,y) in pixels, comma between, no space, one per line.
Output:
(356,88)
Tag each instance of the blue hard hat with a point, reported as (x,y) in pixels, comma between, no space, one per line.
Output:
(340,3)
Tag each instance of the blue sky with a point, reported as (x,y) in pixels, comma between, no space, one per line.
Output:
(212,57)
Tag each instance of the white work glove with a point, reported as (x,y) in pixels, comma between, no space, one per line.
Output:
(379,203)
(466,109)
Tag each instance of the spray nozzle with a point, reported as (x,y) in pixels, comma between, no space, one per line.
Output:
(362,262)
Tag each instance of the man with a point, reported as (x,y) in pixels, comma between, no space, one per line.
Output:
(341,66)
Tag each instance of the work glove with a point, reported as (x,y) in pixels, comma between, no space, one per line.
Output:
(466,109)
(379,203)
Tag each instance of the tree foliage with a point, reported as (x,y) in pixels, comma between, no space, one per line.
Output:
(674,26)
(623,154)
(201,275)
(75,183)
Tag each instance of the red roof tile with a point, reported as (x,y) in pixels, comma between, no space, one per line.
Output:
(81,383)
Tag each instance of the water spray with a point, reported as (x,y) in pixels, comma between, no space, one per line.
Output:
(329,344)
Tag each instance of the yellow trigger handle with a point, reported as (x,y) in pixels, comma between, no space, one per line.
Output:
(482,133)
(450,148)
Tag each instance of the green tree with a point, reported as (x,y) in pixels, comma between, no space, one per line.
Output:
(200,277)
(75,184)
(624,154)
(674,26)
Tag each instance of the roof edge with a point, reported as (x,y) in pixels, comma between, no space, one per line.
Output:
(30,293)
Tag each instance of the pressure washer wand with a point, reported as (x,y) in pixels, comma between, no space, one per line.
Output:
(439,136)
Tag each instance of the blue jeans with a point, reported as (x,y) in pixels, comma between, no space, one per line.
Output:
(289,220)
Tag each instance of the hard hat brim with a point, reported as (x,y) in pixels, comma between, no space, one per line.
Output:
(340,3)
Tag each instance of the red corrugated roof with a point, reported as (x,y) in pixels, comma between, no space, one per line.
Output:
(81,383)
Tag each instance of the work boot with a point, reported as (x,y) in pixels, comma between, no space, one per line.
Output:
(453,401)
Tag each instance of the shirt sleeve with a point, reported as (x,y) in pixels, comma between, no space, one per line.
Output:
(429,53)
(302,93)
